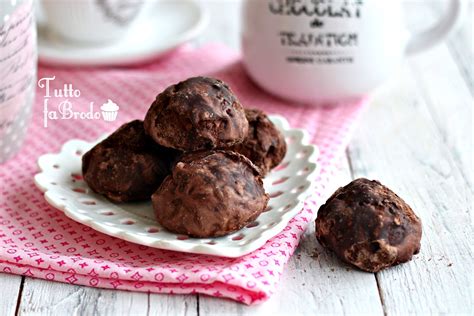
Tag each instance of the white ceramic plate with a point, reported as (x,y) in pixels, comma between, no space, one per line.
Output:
(288,185)
(163,26)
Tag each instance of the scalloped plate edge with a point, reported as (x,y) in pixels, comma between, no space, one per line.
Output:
(231,252)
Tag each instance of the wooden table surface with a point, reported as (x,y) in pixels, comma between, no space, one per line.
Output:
(416,138)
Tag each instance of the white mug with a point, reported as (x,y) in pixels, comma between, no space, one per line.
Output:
(318,51)
(91,21)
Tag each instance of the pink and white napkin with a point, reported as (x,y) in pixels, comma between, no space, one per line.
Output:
(39,241)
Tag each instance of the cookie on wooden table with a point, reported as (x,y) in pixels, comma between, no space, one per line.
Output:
(368,225)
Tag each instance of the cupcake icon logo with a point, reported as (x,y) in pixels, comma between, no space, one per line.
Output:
(63,104)
(109,111)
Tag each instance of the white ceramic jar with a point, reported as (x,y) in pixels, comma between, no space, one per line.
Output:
(18,64)
(317,51)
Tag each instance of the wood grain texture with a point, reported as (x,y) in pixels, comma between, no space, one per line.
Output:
(10,289)
(399,144)
(315,282)
(439,78)
(449,103)
(42,297)
(460,44)
(179,305)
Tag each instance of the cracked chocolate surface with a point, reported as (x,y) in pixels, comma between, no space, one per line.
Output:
(210,194)
(264,145)
(127,165)
(369,226)
(198,113)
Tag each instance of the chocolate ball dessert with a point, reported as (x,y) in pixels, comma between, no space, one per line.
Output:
(265,145)
(210,194)
(127,165)
(369,226)
(198,113)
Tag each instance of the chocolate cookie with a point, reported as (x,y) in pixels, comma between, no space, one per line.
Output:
(210,194)
(127,165)
(198,113)
(369,226)
(265,146)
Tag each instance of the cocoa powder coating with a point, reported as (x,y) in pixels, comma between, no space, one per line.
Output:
(127,165)
(210,194)
(198,113)
(264,145)
(369,226)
